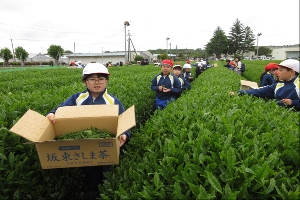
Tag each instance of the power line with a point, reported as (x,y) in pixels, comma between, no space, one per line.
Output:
(17,26)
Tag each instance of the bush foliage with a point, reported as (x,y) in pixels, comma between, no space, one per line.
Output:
(205,145)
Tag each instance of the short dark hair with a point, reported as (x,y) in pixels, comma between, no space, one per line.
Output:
(86,76)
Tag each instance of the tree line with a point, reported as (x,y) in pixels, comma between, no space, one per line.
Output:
(54,51)
(240,39)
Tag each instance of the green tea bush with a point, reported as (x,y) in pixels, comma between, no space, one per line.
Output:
(205,145)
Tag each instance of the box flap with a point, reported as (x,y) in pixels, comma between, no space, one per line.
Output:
(34,127)
(250,84)
(126,120)
(73,118)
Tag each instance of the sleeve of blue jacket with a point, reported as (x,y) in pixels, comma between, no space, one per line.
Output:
(154,85)
(263,92)
(176,86)
(186,85)
(296,104)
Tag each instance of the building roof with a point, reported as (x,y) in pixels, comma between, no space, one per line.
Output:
(121,53)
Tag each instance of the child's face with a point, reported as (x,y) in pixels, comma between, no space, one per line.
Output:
(187,69)
(176,71)
(165,69)
(285,74)
(96,84)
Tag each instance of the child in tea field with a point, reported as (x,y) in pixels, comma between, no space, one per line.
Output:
(166,85)
(95,76)
(232,65)
(72,65)
(238,65)
(187,72)
(286,91)
(267,77)
(185,85)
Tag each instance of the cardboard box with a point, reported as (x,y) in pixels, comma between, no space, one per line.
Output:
(76,153)
(245,85)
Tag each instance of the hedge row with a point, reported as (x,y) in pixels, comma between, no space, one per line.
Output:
(204,145)
(208,145)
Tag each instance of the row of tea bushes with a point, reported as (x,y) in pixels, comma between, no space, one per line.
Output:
(205,145)
(42,90)
(209,145)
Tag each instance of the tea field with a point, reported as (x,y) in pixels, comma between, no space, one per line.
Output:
(205,145)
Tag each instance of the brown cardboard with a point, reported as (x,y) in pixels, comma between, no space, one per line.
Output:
(76,153)
(245,85)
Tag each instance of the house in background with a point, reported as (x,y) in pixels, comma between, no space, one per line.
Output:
(170,56)
(286,51)
(113,57)
(39,58)
(280,52)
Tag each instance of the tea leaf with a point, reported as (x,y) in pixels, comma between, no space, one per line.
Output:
(214,182)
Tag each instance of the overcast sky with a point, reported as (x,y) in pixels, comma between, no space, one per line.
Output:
(93,25)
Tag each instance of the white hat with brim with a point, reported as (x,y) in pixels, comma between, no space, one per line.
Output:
(291,64)
(176,66)
(187,66)
(95,68)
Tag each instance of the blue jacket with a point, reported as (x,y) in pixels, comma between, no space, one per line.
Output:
(186,75)
(267,79)
(170,82)
(281,90)
(85,98)
(185,85)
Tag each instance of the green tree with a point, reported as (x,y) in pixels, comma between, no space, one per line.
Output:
(138,58)
(249,39)
(264,51)
(55,52)
(21,54)
(164,56)
(159,57)
(68,52)
(218,43)
(5,54)
(236,37)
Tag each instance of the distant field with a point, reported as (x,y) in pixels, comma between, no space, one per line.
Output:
(5,69)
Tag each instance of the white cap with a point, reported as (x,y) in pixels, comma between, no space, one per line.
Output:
(79,61)
(290,63)
(95,68)
(176,66)
(187,66)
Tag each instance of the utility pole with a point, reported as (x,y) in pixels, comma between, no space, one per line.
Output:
(13,49)
(170,48)
(167,46)
(126,23)
(186,53)
(102,55)
(129,57)
(176,52)
(259,34)
(74,53)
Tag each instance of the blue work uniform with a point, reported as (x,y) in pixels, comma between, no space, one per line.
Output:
(186,75)
(280,90)
(185,85)
(171,82)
